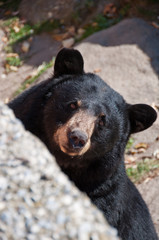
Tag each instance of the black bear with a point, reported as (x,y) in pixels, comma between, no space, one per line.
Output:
(86,125)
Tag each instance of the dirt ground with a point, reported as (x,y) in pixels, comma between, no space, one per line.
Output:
(127,57)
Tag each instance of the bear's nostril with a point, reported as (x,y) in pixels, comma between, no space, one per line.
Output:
(77,139)
(82,143)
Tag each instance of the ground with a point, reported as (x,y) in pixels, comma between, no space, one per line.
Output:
(126,56)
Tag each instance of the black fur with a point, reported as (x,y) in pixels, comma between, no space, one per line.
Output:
(100,172)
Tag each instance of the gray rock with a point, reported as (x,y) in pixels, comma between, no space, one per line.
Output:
(42,49)
(133,31)
(45,10)
(37,201)
(66,11)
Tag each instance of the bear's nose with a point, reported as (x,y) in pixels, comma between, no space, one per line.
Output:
(77,139)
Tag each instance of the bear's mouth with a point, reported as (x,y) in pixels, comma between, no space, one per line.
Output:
(70,151)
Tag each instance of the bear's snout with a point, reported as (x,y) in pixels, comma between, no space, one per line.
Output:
(74,137)
(77,139)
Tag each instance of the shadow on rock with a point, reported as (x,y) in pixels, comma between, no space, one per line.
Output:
(131,31)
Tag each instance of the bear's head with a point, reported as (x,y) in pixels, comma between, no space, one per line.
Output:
(84,117)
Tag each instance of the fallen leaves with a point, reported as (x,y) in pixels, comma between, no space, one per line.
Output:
(12,62)
(69,37)
(143,170)
(141,147)
(12,68)
(80,32)
(138,148)
(97,70)
(16,29)
(8,13)
(142,163)
(60,36)
(4,39)
(110,10)
(156,25)
(12,55)
(130,160)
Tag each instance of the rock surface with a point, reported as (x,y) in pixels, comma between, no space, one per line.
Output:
(66,11)
(36,200)
(45,10)
(42,49)
(133,31)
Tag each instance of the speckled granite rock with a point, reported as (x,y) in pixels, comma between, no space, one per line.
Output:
(36,200)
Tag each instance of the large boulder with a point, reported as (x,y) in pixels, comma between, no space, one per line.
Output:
(65,11)
(133,31)
(37,201)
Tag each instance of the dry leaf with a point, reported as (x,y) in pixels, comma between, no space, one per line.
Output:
(12,55)
(7,13)
(4,39)
(7,66)
(147,179)
(97,70)
(156,25)
(13,68)
(60,37)
(80,31)
(29,76)
(94,24)
(16,29)
(141,145)
(141,150)
(109,10)
(132,151)
(130,159)
(71,30)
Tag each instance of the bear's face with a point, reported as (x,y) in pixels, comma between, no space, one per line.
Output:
(84,108)
(84,116)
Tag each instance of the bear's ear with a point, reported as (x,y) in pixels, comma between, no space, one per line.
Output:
(68,61)
(141,117)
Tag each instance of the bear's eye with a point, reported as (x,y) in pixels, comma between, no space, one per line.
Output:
(74,105)
(101,121)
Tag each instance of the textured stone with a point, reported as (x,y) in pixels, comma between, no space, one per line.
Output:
(66,11)
(37,201)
